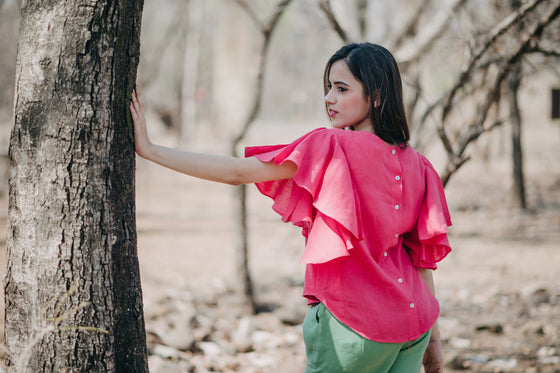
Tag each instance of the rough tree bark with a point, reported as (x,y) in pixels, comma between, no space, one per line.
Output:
(72,288)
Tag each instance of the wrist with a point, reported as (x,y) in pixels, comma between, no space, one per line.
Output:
(435,335)
(145,149)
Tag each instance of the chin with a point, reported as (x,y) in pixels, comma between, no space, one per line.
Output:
(340,126)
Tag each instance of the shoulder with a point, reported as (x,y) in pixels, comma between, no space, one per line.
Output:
(320,138)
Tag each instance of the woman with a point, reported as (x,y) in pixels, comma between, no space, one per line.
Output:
(372,210)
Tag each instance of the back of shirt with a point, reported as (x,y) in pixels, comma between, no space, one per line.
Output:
(371,214)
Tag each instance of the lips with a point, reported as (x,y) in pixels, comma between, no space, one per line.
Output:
(332,113)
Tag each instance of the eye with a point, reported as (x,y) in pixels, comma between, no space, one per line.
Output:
(341,89)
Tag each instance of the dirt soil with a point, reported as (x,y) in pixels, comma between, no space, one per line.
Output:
(499,289)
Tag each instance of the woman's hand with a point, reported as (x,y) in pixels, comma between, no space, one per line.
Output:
(141,139)
(433,359)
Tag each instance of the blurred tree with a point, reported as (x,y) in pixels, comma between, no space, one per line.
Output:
(9,20)
(190,70)
(72,288)
(536,16)
(514,83)
(242,242)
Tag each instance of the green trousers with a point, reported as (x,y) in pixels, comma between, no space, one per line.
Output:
(332,347)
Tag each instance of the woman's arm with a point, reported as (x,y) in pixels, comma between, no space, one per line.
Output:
(433,358)
(223,169)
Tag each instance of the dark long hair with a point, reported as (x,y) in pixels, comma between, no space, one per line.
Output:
(376,69)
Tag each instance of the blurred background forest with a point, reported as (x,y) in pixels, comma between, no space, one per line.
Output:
(479,81)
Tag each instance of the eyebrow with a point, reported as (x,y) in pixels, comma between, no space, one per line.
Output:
(339,82)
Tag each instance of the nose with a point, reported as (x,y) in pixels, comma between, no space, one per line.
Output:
(329,98)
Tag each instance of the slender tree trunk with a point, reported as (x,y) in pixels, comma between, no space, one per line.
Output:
(241,228)
(517,148)
(72,288)
(514,82)
(361,11)
(190,71)
(241,247)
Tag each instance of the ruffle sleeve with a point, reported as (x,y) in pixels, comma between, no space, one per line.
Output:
(320,198)
(428,243)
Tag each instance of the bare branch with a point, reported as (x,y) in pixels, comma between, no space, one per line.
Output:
(325,6)
(361,7)
(250,12)
(536,48)
(266,30)
(499,30)
(425,41)
(476,128)
(278,11)
(410,28)
(524,45)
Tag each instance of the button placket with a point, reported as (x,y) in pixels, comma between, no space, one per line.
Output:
(397,172)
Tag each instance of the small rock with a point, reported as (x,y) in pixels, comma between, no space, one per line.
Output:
(261,360)
(546,351)
(464,362)
(179,339)
(266,340)
(461,343)
(532,327)
(291,339)
(241,336)
(492,328)
(503,364)
(159,365)
(210,349)
(293,313)
(458,362)
(166,351)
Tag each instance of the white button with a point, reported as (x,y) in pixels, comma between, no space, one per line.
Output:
(385,253)
(397,207)
(396,235)
(393,151)
(397,178)
(400,280)
(411,305)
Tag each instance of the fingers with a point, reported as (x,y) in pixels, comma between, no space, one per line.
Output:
(136,106)
(137,95)
(133,111)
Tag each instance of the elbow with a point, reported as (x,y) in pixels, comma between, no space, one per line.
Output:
(235,179)
(233,182)
(238,174)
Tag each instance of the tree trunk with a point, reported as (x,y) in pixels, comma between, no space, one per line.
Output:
(517,148)
(241,246)
(190,71)
(72,288)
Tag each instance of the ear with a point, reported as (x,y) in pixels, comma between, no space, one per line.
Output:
(376,98)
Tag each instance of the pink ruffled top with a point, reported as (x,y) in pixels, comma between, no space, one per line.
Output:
(372,214)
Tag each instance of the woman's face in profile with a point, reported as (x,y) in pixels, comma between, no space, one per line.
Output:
(346,103)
